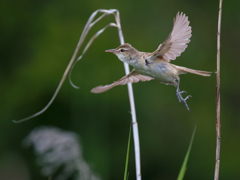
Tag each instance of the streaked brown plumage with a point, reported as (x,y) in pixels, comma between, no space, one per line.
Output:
(155,65)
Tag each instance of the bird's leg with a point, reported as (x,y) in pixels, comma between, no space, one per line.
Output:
(179,95)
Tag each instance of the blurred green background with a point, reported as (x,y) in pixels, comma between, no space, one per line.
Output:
(37,40)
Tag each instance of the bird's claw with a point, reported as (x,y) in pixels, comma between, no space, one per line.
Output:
(187,97)
(179,95)
(183,100)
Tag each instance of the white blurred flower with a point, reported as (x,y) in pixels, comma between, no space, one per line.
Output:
(59,150)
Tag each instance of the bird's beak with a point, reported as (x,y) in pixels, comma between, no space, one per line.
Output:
(111,50)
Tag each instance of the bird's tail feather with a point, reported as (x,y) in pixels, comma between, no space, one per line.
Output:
(183,70)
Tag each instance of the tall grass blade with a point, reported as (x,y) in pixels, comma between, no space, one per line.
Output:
(127,156)
(184,165)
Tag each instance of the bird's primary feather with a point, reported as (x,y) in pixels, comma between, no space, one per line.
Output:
(132,77)
(176,42)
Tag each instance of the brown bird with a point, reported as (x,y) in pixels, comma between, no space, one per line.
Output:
(155,65)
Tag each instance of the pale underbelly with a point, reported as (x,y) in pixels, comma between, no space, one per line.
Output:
(161,71)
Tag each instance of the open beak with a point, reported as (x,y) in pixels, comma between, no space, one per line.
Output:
(111,50)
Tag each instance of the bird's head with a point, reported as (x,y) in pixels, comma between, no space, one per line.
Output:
(124,52)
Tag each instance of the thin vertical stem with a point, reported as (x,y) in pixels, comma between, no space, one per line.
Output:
(218,121)
(133,111)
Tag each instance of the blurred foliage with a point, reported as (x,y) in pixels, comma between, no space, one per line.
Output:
(37,41)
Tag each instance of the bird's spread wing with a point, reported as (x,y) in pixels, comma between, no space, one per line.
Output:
(132,77)
(176,42)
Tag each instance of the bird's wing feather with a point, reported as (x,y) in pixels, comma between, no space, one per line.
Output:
(176,42)
(132,77)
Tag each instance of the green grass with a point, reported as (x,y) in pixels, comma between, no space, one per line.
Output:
(127,156)
(184,165)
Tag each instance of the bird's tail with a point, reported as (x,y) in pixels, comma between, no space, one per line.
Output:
(183,70)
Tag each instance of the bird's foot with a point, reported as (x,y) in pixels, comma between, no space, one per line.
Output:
(183,100)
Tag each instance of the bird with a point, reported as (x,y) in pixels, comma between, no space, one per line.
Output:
(156,65)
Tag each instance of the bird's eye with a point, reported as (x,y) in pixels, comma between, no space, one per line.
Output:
(122,50)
